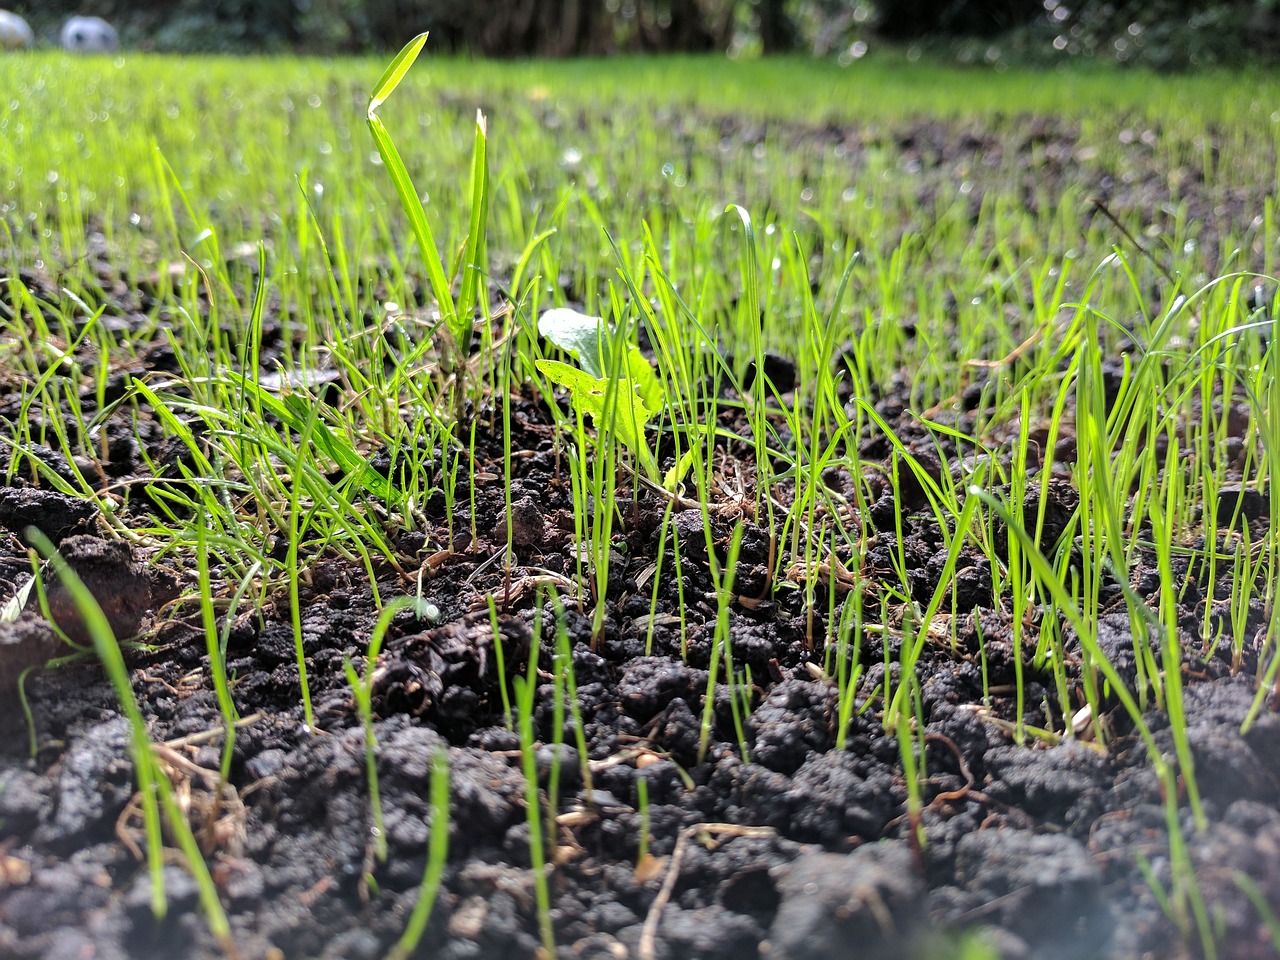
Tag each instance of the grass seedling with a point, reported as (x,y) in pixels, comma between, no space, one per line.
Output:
(457,313)
(848,672)
(292,570)
(965,333)
(500,658)
(215,650)
(642,807)
(912,771)
(526,687)
(896,708)
(722,576)
(362,690)
(560,667)
(153,786)
(1171,663)
(1259,900)
(1187,892)
(665,526)
(750,333)
(32,746)
(564,665)
(433,870)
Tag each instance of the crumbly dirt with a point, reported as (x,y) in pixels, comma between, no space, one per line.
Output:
(799,850)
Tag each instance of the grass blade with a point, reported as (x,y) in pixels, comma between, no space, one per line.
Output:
(395,71)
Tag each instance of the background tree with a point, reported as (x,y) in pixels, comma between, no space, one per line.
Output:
(914,19)
(1163,33)
(776,27)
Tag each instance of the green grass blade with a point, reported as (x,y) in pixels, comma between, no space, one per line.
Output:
(473,270)
(412,206)
(395,71)
(108,650)
(437,855)
(153,786)
(409,197)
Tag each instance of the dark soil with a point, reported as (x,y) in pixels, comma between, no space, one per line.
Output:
(797,850)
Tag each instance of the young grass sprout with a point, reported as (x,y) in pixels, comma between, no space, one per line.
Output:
(155,790)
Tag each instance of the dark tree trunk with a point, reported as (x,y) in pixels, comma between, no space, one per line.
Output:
(669,26)
(777,31)
(909,19)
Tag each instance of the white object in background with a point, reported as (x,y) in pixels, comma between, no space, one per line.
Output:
(89,35)
(15,33)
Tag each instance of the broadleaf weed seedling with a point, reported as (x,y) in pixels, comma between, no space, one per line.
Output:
(613,384)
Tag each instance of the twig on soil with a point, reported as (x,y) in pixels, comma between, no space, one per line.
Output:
(218,829)
(830,572)
(1106,212)
(1010,357)
(949,795)
(220,813)
(206,736)
(649,931)
(524,585)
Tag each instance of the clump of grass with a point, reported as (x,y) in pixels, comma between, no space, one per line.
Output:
(455,312)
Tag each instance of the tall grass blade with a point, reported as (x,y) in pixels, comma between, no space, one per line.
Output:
(153,786)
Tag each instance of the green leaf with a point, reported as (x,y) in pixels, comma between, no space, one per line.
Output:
(591,396)
(638,391)
(395,72)
(641,372)
(579,335)
(577,381)
(587,340)
(472,268)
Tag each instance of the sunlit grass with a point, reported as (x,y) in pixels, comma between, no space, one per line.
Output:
(963,272)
